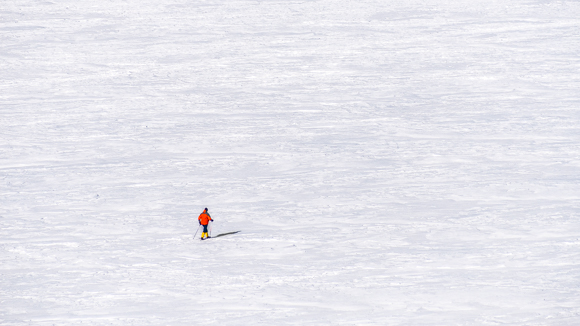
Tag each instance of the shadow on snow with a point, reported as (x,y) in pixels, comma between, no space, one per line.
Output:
(222,234)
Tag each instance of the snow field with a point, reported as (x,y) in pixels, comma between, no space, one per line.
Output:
(387,163)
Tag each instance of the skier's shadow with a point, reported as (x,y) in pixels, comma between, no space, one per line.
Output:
(222,234)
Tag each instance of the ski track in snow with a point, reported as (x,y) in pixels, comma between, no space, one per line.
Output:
(387,162)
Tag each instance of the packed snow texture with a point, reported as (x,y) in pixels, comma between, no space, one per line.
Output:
(386,162)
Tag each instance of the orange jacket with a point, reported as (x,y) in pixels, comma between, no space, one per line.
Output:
(204,218)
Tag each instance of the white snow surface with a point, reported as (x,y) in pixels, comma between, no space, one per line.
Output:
(386,162)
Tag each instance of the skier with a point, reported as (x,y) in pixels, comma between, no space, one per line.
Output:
(204,219)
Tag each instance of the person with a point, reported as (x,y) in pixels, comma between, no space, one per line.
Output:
(204,219)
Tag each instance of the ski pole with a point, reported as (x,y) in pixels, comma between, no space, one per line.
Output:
(210,227)
(196,231)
